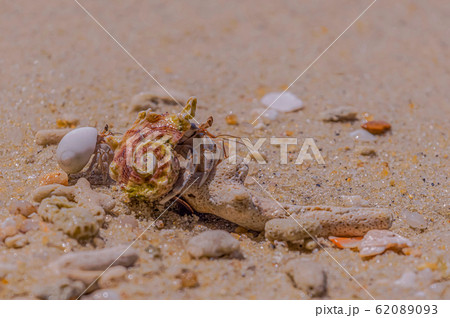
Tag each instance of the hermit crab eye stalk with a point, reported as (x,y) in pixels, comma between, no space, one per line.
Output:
(76,149)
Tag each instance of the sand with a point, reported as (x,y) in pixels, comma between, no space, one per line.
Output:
(391,65)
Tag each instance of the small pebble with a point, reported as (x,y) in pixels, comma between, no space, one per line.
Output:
(362,135)
(159,224)
(354,200)
(16,241)
(214,243)
(310,245)
(285,103)
(414,219)
(308,276)
(376,127)
(9,227)
(188,279)
(343,113)
(50,136)
(24,208)
(112,277)
(55,177)
(231,119)
(29,225)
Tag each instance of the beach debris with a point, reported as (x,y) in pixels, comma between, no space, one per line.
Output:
(342,113)
(377,241)
(21,207)
(322,221)
(214,243)
(16,241)
(354,200)
(283,102)
(50,136)
(362,135)
(10,226)
(68,121)
(231,119)
(155,99)
(308,276)
(414,219)
(346,242)
(225,195)
(78,147)
(76,210)
(188,278)
(59,177)
(365,150)
(376,127)
(96,260)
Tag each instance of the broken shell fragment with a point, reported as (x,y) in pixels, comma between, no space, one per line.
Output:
(377,241)
(284,102)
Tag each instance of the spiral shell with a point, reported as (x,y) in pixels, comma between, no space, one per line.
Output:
(145,163)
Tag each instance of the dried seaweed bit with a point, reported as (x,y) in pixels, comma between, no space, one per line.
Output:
(77,210)
(377,241)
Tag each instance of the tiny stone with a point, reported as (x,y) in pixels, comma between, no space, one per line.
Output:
(310,245)
(231,119)
(159,224)
(29,225)
(188,279)
(343,113)
(308,276)
(283,102)
(214,243)
(376,127)
(414,219)
(16,241)
(362,135)
(24,208)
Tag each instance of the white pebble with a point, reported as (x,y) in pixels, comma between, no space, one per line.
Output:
(362,135)
(283,102)
(414,219)
(212,244)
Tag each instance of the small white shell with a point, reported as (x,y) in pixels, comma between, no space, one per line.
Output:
(76,148)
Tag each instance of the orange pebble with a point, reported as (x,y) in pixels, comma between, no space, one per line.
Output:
(231,119)
(58,177)
(376,127)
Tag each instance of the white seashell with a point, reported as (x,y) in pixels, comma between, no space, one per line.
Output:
(285,103)
(76,148)
(377,241)
(362,135)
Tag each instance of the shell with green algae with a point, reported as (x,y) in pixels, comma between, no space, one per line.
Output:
(145,163)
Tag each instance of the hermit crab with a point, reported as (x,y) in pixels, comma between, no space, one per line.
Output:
(153,160)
